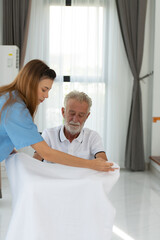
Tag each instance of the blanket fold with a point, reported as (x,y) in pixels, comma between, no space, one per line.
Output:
(57,202)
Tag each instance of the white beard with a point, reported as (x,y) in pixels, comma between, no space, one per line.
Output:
(73,128)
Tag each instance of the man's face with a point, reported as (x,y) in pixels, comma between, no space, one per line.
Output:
(75,115)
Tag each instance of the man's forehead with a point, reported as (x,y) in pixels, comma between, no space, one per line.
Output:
(76,102)
(76,106)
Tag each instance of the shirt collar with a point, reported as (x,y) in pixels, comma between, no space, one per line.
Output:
(63,138)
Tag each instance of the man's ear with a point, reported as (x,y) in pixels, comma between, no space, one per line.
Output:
(63,111)
(88,115)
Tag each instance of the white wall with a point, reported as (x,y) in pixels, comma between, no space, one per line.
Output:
(155,146)
(147,83)
(1,20)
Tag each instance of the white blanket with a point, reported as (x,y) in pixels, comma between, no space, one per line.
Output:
(57,202)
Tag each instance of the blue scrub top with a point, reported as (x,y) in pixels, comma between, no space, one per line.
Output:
(16,128)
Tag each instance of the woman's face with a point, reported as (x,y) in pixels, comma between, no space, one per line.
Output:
(43,89)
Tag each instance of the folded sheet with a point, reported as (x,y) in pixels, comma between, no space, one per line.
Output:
(57,202)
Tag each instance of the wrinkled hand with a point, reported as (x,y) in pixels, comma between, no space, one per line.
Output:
(100,164)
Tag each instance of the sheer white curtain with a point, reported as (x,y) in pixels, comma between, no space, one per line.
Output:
(119,89)
(76,50)
(106,77)
(67,39)
(38,35)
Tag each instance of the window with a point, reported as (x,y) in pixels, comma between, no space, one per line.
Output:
(76,54)
(76,42)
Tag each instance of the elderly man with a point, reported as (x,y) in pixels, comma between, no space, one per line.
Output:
(72,138)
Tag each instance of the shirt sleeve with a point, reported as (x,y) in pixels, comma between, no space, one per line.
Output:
(19,126)
(46,137)
(96,143)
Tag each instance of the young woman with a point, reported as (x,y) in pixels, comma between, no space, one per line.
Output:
(18,104)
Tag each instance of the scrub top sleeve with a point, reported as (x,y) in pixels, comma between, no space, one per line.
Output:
(19,126)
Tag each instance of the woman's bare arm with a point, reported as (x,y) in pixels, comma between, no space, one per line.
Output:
(52,155)
(37,156)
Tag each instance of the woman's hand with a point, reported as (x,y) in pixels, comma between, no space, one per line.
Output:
(100,164)
(14,151)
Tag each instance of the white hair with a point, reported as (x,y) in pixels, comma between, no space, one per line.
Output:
(79,96)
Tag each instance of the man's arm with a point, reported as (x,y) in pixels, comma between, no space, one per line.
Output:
(101,155)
